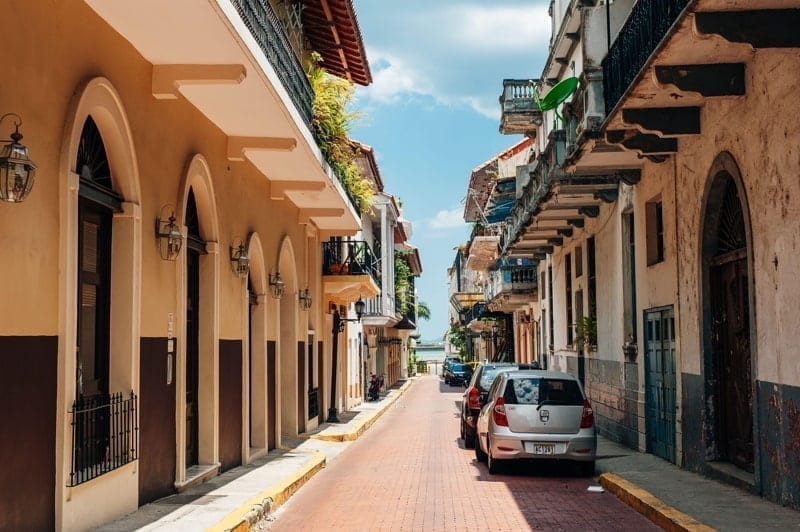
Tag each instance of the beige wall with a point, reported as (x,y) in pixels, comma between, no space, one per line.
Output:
(74,46)
(769,170)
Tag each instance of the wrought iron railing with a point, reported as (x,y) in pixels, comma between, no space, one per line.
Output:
(350,257)
(646,26)
(105,435)
(313,403)
(271,36)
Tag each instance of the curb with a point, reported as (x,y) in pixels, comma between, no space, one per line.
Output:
(366,423)
(651,507)
(258,507)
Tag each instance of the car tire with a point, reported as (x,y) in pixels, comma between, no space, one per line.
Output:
(469,438)
(480,456)
(463,432)
(587,468)
(492,463)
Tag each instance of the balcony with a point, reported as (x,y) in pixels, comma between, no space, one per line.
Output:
(647,25)
(520,113)
(350,270)
(555,201)
(232,61)
(512,286)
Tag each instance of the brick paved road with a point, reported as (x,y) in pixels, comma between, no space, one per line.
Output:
(410,471)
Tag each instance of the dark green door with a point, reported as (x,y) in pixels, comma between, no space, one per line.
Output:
(660,382)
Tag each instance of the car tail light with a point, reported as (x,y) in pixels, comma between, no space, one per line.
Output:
(587,419)
(474,398)
(499,413)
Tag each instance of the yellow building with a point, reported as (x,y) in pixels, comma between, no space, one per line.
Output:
(164,311)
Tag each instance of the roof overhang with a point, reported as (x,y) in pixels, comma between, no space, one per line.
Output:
(203,51)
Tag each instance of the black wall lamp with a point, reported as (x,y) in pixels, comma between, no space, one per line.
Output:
(168,235)
(240,262)
(338,321)
(17,170)
(276,285)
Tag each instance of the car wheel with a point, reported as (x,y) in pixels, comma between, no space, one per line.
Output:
(587,468)
(494,464)
(463,432)
(469,438)
(480,456)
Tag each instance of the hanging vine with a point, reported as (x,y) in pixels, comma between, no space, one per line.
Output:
(332,122)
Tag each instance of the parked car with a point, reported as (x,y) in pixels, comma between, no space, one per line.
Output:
(457,373)
(448,361)
(536,414)
(475,396)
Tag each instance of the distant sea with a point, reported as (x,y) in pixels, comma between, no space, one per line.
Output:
(434,357)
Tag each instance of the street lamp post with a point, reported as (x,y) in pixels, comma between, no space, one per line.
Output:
(338,326)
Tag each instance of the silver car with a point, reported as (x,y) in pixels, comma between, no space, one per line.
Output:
(536,414)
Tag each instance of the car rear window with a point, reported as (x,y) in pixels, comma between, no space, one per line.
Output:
(536,390)
(489,373)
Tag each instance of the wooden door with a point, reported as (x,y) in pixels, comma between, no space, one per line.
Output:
(192,355)
(732,359)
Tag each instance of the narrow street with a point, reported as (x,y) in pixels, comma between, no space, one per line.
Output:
(410,471)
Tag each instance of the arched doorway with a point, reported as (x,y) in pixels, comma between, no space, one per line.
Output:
(195,247)
(727,316)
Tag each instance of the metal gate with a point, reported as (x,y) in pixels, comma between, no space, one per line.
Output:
(660,382)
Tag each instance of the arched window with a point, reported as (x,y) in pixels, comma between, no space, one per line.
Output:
(97,203)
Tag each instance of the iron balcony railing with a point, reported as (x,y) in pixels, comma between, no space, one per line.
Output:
(271,37)
(105,435)
(646,26)
(270,34)
(350,257)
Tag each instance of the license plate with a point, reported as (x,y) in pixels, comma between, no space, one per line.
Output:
(540,448)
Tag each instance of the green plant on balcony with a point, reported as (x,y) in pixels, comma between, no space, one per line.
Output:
(457,339)
(332,121)
(402,285)
(586,332)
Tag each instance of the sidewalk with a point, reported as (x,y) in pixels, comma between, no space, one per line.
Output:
(676,499)
(242,497)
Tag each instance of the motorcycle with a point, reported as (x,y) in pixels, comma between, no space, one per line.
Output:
(375,385)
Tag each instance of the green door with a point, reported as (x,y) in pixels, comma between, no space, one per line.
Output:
(660,382)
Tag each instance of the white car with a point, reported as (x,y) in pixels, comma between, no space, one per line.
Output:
(534,415)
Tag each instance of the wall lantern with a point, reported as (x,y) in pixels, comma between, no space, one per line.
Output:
(240,262)
(339,322)
(169,236)
(305,299)
(17,171)
(276,285)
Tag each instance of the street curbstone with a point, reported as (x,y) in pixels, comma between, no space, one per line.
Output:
(650,506)
(255,509)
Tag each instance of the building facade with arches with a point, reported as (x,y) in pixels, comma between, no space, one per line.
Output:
(165,317)
(660,207)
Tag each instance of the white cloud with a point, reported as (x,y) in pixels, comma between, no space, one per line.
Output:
(454,53)
(447,219)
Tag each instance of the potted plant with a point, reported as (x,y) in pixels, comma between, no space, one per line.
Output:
(586,333)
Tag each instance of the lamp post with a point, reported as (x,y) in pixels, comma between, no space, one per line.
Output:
(338,326)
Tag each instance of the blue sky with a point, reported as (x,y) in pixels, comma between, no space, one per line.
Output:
(432,111)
